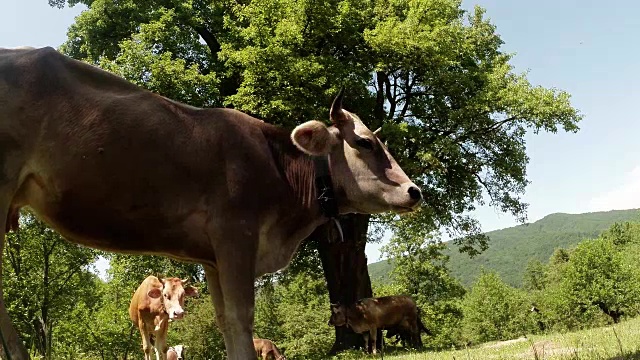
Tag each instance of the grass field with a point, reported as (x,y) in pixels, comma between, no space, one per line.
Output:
(621,341)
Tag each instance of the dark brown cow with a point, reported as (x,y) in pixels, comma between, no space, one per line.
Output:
(404,335)
(266,349)
(115,167)
(154,303)
(368,315)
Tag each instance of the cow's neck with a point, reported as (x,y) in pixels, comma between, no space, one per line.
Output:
(324,189)
(309,178)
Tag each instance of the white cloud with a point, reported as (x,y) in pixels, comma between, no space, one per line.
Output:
(624,196)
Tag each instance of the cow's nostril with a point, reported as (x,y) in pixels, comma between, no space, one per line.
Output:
(415,193)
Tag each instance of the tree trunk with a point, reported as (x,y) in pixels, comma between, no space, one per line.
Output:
(345,269)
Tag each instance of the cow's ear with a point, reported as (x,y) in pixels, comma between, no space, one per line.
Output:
(314,138)
(154,293)
(190,291)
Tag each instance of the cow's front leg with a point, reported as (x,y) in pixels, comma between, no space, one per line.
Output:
(147,348)
(213,282)
(235,267)
(373,333)
(161,347)
(365,335)
(161,338)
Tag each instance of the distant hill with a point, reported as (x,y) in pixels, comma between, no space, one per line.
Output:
(511,249)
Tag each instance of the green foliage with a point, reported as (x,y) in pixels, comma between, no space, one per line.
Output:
(107,331)
(198,330)
(534,276)
(597,274)
(305,310)
(45,280)
(268,319)
(593,284)
(162,72)
(294,315)
(495,311)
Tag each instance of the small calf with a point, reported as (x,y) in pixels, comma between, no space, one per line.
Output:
(176,353)
(266,349)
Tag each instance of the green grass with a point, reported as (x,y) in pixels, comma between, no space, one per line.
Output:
(617,342)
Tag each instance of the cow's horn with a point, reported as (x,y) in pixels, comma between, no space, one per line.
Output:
(337,114)
(377,131)
(185,281)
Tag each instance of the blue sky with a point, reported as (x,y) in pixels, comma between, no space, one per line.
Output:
(583,47)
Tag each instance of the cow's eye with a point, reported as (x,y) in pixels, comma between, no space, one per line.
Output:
(365,143)
(167,296)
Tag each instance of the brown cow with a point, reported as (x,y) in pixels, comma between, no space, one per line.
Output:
(404,335)
(153,305)
(266,349)
(115,167)
(176,352)
(368,315)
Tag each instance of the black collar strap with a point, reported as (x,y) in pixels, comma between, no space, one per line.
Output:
(324,189)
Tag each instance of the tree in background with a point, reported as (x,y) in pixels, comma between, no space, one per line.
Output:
(46,280)
(494,310)
(599,279)
(595,283)
(534,277)
(452,110)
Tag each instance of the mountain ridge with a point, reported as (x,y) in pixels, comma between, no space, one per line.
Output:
(510,249)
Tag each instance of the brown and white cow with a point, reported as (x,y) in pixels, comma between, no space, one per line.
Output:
(176,352)
(154,303)
(112,166)
(366,316)
(266,349)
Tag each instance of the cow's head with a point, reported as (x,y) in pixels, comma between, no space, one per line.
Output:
(338,315)
(366,178)
(179,349)
(173,292)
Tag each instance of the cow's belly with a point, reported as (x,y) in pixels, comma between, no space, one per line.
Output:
(97,220)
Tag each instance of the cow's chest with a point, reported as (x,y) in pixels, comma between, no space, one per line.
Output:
(278,241)
(274,254)
(359,324)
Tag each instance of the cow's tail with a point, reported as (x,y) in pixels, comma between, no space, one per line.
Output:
(421,326)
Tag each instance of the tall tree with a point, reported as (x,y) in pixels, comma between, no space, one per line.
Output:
(451,108)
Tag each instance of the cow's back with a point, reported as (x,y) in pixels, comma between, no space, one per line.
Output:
(390,310)
(113,166)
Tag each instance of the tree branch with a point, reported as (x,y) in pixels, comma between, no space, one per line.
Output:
(209,38)
(379,109)
(390,98)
